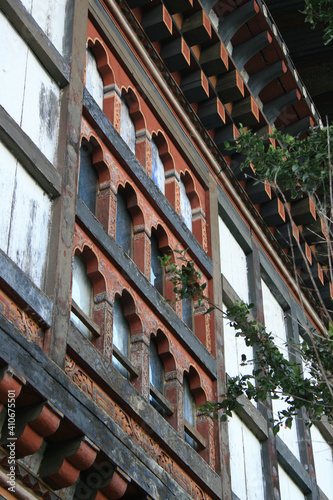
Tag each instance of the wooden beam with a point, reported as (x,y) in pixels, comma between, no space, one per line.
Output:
(197,28)
(259,192)
(273,212)
(29,155)
(157,23)
(214,60)
(245,51)
(258,81)
(35,38)
(194,434)
(212,113)
(299,127)
(274,108)
(125,362)
(230,24)
(175,6)
(195,86)
(176,54)
(227,133)
(246,112)
(84,318)
(138,3)
(304,211)
(230,87)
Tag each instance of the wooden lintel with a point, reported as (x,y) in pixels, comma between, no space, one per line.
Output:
(245,51)
(246,112)
(275,107)
(212,113)
(176,54)
(230,87)
(175,6)
(195,86)
(194,434)
(197,28)
(229,25)
(157,23)
(215,60)
(88,322)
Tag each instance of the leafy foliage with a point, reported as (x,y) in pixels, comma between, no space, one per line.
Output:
(320,11)
(273,374)
(298,166)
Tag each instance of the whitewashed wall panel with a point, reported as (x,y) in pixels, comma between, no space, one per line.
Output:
(185,206)
(233,262)
(28,93)
(234,268)
(13,61)
(127,127)
(82,292)
(275,323)
(323,458)
(245,461)
(94,80)
(25,218)
(288,489)
(234,348)
(157,168)
(50,16)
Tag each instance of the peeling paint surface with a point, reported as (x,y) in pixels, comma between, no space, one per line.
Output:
(50,16)
(28,93)
(25,218)
(275,323)
(94,80)
(127,128)
(245,461)
(288,488)
(157,168)
(185,206)
(323,458)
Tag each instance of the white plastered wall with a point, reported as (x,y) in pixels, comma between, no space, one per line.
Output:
(245,461)
(288,489)
(323,458)
(25,218)
(275,323)
(50,16)
(127,127)
(234,268)
(28,93)
(94,80)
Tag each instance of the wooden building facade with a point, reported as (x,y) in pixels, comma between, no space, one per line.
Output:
(113,117)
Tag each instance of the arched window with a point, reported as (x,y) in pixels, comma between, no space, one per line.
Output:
(82,294)
(94,80)
(185,206)
(156,270)
(156,373)
(157,168)
(121,335)
(88,178)
(189,410)
(127,127)
(124,225)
